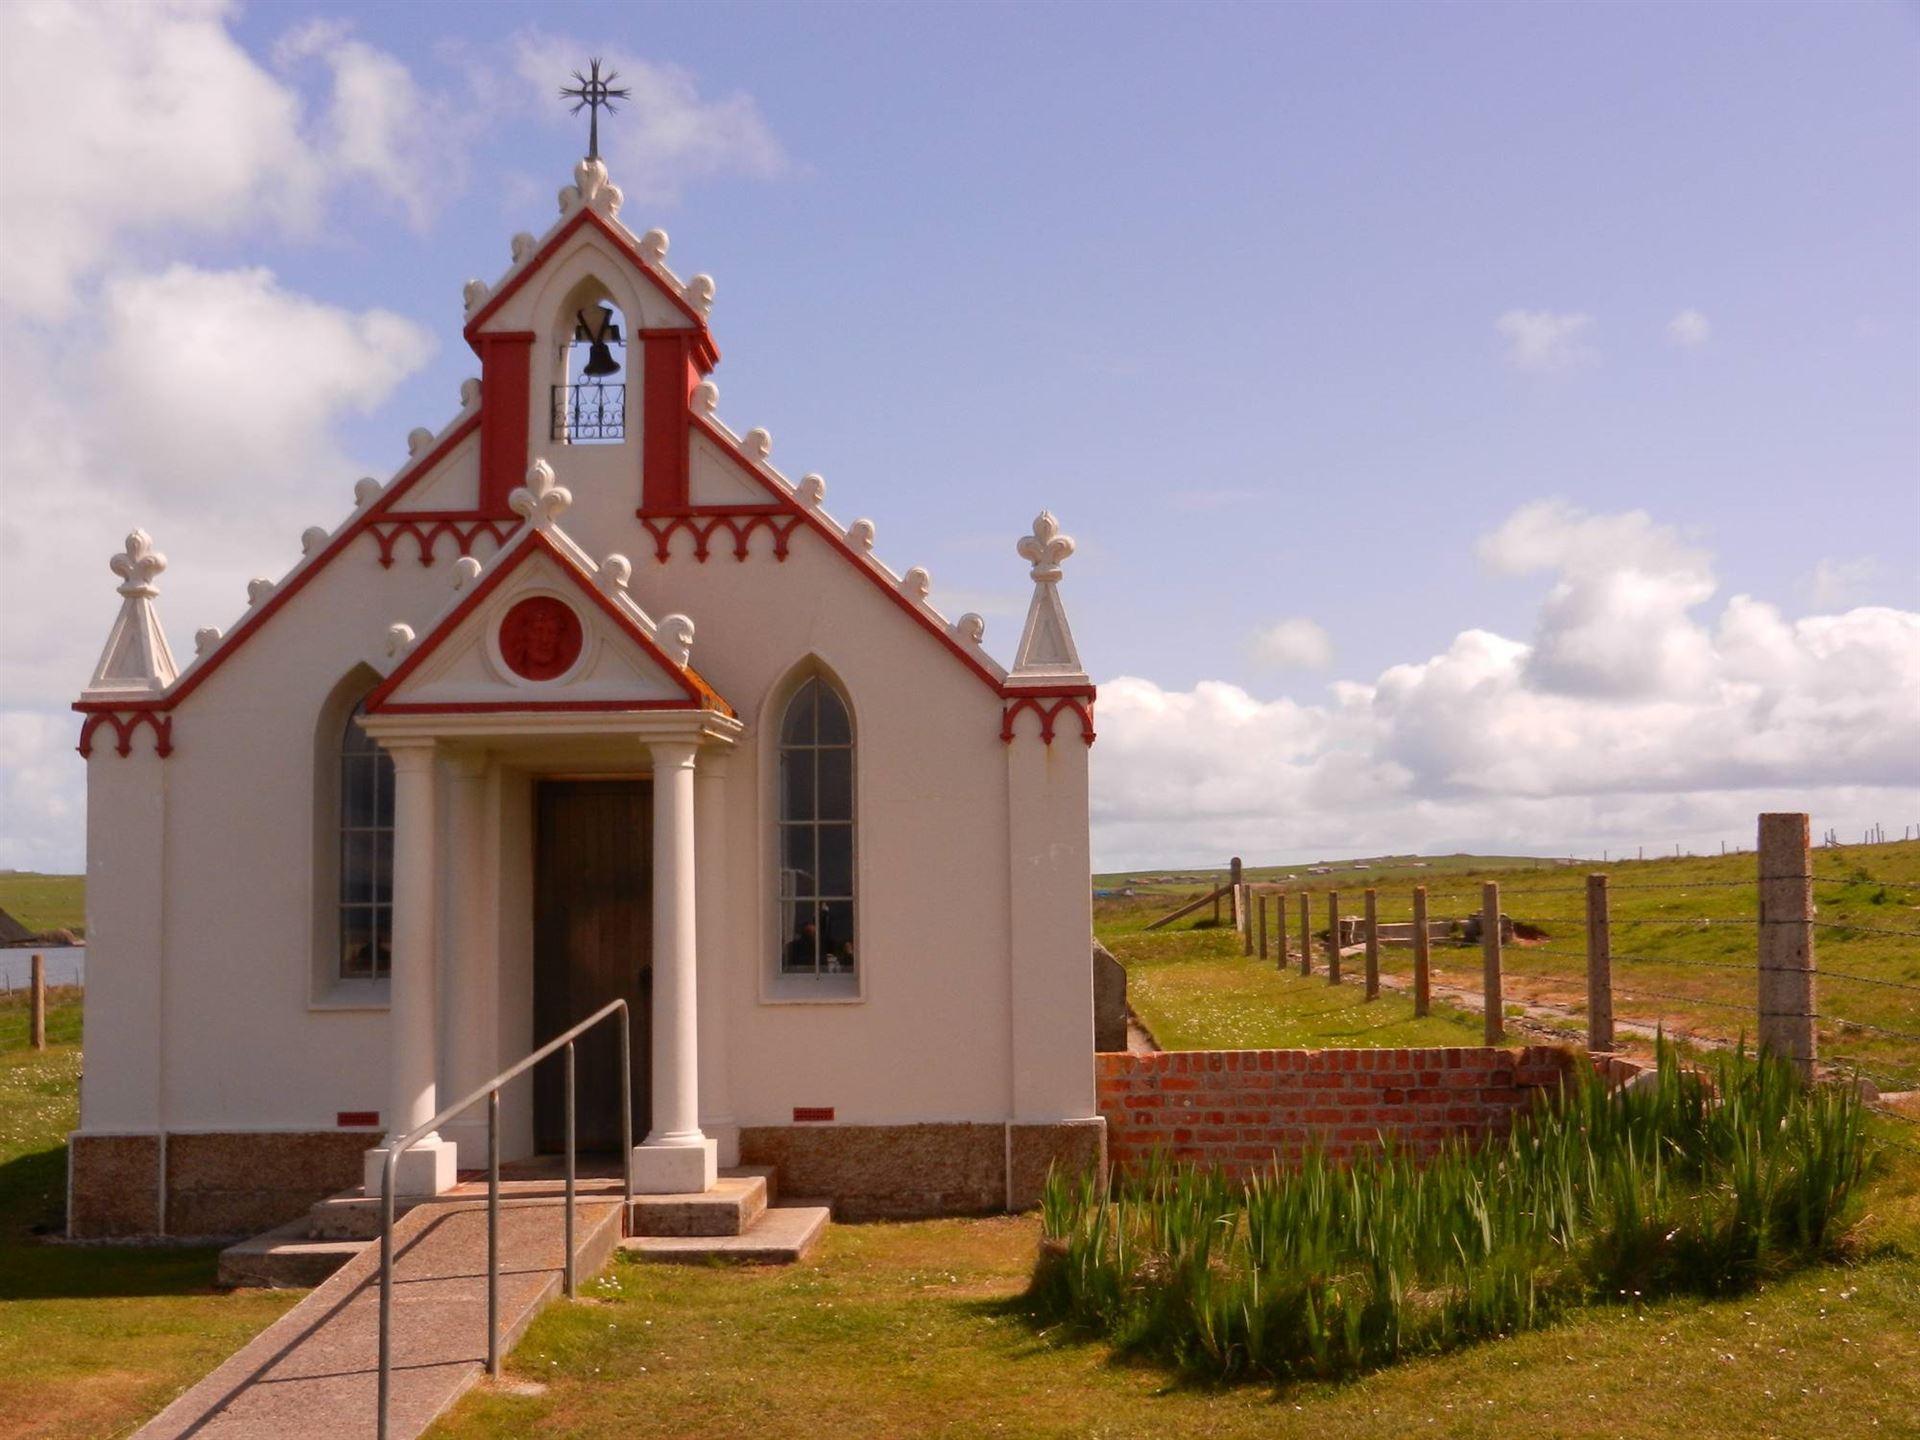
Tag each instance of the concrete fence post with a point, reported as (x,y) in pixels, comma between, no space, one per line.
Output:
(1260,910)
(1373,946)
(1422,978)
(1238,883)
(1306,933)
(37,1022)
(1333,937)
(1786,941)
(1599,966)
(1495,1014)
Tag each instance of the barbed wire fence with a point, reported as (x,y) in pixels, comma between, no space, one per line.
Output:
(1743,978)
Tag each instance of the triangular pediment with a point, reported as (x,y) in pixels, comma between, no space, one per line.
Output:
(543,628)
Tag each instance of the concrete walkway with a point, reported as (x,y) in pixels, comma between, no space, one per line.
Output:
(314,1372)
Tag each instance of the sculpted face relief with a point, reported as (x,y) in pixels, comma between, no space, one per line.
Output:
(540,638)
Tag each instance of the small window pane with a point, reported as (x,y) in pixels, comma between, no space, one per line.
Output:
(834,729)
(836,937)
(357,942)
(802,952)
(357,860)
(836,860)
(798,859)
(836,784)
(796,783)
(800,722)
(357,776)
(383,792)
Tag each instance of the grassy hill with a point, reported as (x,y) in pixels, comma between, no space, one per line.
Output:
(45,902)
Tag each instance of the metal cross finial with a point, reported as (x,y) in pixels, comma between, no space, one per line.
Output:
(594,91)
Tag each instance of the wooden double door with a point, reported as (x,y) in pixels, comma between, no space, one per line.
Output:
(593,943)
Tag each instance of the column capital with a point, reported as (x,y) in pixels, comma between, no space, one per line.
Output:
(672,754)
(410,753)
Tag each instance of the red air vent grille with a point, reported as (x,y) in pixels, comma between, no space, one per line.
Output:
(357,1119)
(804,1114)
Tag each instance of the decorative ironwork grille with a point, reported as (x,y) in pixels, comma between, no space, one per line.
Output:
(589,412)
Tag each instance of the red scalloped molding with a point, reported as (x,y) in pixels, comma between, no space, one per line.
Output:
(427,526)
(1081,705)
(702,522)
(124,723)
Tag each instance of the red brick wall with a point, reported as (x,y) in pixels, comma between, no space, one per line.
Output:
(1238,1109)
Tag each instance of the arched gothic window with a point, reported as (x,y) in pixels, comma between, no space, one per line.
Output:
(816,833)
(366,853)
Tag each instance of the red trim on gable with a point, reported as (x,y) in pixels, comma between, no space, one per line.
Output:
(466,526)
(104,713)
(526,707)
(826,532)
(1079,700)
(506,379)
(706,354)
(251,622)
(700,694)
(701,521)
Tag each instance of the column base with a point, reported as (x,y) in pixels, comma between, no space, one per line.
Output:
(689,1168)
(725,1135)
(429,1168)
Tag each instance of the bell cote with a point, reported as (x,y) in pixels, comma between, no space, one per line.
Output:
(590,349)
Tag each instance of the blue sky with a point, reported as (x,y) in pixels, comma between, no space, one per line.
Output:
(1224,287)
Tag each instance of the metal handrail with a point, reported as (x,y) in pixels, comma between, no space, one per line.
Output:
(490,1092)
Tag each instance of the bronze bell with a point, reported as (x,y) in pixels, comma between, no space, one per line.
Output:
(598,338)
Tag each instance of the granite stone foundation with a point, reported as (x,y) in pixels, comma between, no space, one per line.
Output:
(900,1172)
(217,1185)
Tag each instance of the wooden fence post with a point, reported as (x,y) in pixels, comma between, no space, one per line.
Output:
(1373,947)
(1495,1014)
(1280,930)
(1260,907)
(37,1024)
(1306,934)
(1422,979)
(1786,942)
(1333,937)
(1239,897)
(1599,966)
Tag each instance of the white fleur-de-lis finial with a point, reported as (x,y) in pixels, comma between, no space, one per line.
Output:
(138,565)
(1046,547)
(136,658)
(542,499)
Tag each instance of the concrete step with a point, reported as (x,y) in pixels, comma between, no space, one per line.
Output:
(730,1208)
(780,1235)
(285,1258)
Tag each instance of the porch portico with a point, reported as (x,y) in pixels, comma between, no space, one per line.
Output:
(440,870)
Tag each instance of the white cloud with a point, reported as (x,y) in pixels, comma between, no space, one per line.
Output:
(1540,340)
(666,133)
(1689,329)
(1841,582)
(1487,745)
(1291,644)
(180,129)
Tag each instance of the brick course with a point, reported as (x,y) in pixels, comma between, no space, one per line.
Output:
(1240,1109)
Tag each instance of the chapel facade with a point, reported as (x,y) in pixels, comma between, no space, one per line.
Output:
(589,701)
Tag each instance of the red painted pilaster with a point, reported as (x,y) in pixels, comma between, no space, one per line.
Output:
(506,398)
(672,371)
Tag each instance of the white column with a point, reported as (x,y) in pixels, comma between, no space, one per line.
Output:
(676,1158)
(715,948)
(428,1168)
(469,980)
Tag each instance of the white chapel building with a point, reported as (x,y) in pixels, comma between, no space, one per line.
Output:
(587,701)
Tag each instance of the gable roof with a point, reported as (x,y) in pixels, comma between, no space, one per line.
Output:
(574,566)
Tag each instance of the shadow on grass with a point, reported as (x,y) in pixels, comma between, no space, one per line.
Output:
(33,1210)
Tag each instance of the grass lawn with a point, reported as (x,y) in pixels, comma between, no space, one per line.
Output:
(1685,953)
(93,1340)
(917,1329)
(45,902)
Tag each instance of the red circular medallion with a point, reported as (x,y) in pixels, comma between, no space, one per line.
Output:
(540,638)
